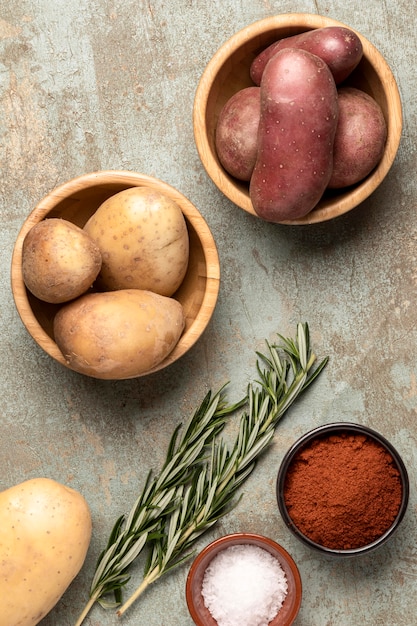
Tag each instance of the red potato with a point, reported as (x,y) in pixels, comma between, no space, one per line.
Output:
(299,112)
(360,137)
(237,132)
(338,46)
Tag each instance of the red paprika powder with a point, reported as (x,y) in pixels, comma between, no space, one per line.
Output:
(343,491)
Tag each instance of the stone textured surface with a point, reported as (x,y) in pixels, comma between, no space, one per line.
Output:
(99,84)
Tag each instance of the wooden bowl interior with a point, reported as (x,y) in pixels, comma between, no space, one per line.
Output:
(195,601)
(228,72)
(76,201)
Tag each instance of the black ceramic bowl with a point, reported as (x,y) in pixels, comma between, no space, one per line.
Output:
(324,432)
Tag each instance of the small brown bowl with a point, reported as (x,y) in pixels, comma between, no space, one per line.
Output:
(351,430)
(195,602)
(228,72)
(76,200)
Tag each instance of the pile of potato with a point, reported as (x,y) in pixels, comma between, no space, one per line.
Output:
(115,279)
(301,129)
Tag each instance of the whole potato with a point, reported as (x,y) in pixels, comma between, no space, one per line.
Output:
(338,46)
(45,535)
(299,113)
(118,334)
(60,261)
(143,239)
(360,137)
(237,132)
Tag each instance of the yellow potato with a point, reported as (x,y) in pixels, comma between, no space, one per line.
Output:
(60,261)
(118,334)
(44,538)
(143,239)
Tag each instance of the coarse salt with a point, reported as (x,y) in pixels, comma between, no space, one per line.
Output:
(244,585)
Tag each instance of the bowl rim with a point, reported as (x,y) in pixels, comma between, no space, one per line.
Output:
(329,428)
(131,179)
(354,196)
(243,538)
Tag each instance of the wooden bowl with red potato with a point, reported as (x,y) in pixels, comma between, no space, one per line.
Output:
(231,70)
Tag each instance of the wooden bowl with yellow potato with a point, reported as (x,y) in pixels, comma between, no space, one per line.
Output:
(77,201)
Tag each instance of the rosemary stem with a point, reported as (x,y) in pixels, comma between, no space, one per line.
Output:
(226,480)
(148,580)
(192,528)
(92,600)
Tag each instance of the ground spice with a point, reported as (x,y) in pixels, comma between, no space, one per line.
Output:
(244,585)
(343,491)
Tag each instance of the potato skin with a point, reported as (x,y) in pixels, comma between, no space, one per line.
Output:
(45,535)
(143,239)
(360,137)
(60,261)
(299,112)
(118,334)
(237,132)
(339,47)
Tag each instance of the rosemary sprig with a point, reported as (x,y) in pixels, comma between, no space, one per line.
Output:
(286,373)
(158,498)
